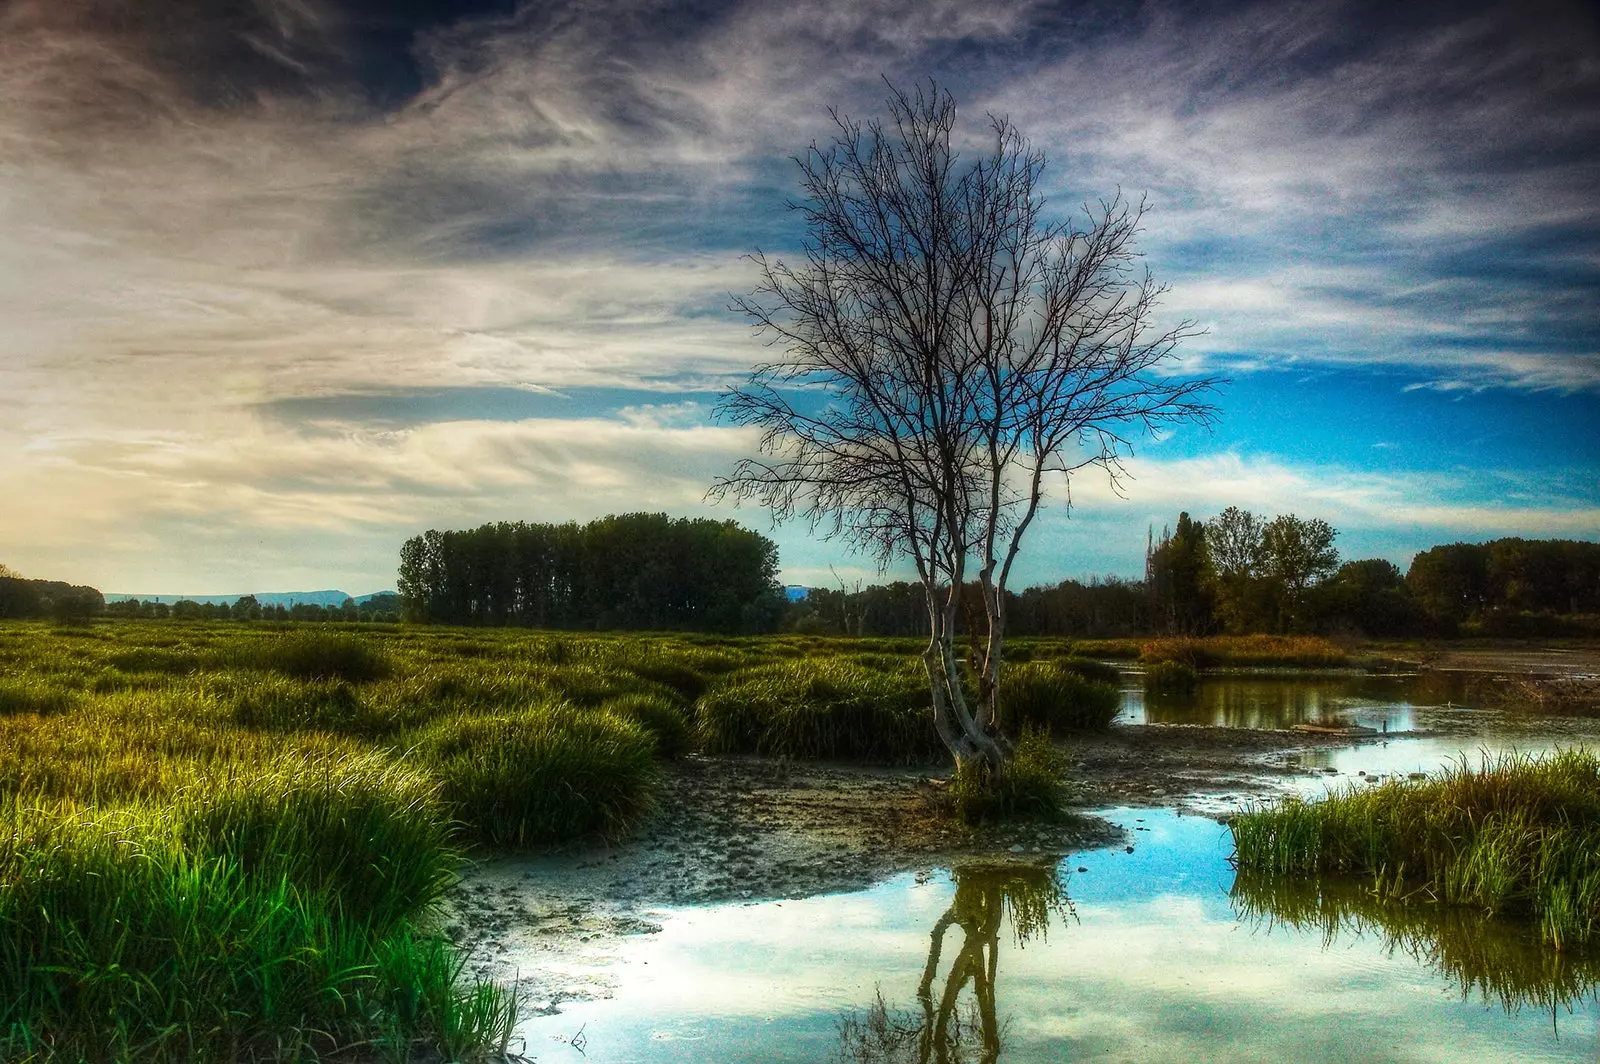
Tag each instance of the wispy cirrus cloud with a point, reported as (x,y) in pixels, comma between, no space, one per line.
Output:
(217,210)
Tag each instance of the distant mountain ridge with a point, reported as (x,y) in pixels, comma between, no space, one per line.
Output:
(265,598)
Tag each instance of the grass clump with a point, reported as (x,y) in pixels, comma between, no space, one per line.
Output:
(820,708)
(1056,698)
(1517,835)
(1090,669)
(31,694)
(312,654)
(369,832)
(279,703)
(1032,787)
(1170,678)
(662,717)
(544,775)
(230,925)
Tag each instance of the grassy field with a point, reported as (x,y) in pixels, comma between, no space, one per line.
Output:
(225,841)
(1514,835)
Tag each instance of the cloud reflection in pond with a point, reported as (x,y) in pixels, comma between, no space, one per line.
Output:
(1165,961)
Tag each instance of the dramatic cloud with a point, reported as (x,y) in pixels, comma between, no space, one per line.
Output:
(262,258)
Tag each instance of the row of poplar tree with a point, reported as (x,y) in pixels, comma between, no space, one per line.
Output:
(628,571)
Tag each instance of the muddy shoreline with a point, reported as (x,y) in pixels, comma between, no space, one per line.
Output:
(740,829)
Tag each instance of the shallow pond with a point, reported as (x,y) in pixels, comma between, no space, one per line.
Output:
(1153,955)
(1158,954)
(1282,700)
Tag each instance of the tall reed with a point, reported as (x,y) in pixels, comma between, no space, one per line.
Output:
(1516,835)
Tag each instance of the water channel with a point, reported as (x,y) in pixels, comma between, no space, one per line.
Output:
(1152,950)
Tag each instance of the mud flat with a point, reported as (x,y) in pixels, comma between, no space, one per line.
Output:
(732,829)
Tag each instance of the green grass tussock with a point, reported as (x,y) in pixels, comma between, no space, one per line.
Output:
(229,924)
(1033,787)
(312,654)
(664,718)
(1517,835)
(226,842)
(1170,677)
(371,833)
(545,775)
(820,708)
(34,695)
(1054,697)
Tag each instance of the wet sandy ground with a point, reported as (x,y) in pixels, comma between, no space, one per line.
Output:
(734,828)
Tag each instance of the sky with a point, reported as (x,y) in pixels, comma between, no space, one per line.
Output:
(284,282)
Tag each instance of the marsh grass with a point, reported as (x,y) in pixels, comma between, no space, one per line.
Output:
(225,842)
(1239,651)
(1515,835)
(1170,678)
(664,718)
(1033,787)
(547,774)
(31,694)
(316,654)
(820,707)
(1055,697)
(229,922)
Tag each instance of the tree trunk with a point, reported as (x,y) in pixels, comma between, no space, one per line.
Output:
(961,733)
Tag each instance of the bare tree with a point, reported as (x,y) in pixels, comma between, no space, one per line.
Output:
(946,348)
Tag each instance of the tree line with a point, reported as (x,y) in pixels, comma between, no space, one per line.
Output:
(1239,573)
(378,608)
(628,571)
(24,599)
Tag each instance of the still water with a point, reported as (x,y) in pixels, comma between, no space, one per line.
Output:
(1158,954)
(1392,703)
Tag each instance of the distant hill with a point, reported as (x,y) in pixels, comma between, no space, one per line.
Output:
(266,598)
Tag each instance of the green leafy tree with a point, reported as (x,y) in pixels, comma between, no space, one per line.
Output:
(1367,596)
(1175,578)
(1296,554)
(1451,581)
(1234,558)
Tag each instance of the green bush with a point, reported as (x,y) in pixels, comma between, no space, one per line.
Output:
(548,774)
(1054,698)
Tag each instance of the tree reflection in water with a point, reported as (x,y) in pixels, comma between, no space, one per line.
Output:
(1500,960)
(946,1030)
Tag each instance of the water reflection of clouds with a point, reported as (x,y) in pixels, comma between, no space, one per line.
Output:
(1158,966)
